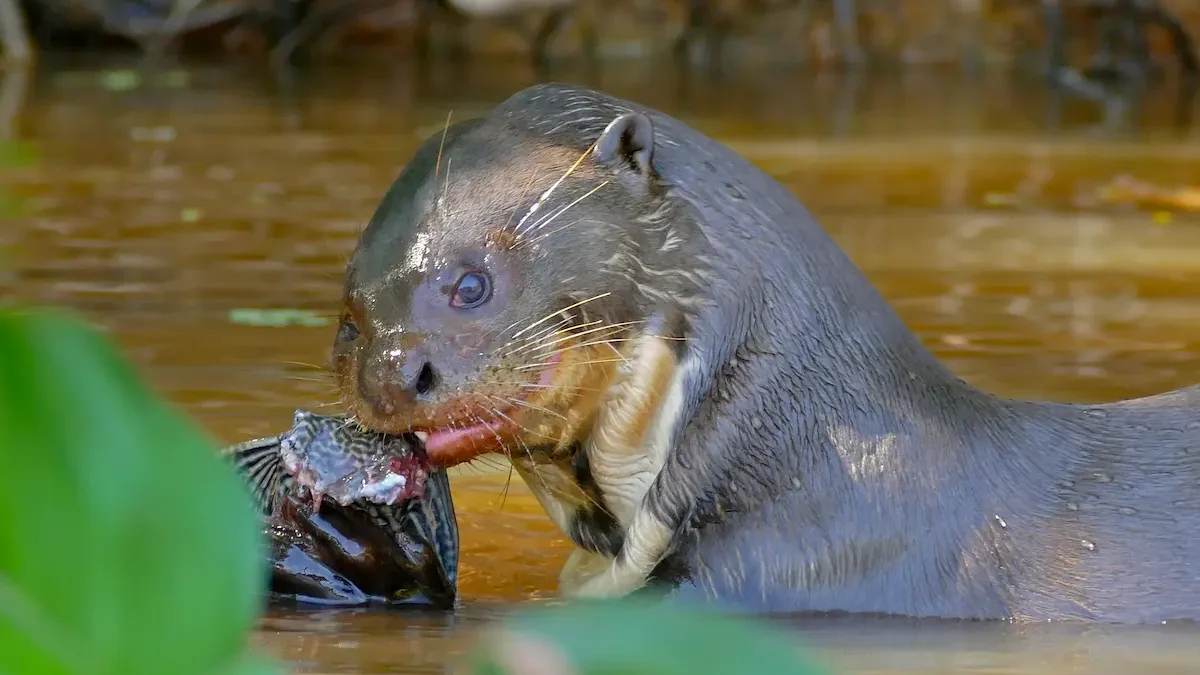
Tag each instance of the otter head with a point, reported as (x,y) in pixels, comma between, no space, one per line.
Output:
(491,296)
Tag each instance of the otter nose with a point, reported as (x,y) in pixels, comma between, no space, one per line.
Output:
(402,380)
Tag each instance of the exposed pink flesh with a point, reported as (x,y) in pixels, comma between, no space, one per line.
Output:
(438,442)
(411,468)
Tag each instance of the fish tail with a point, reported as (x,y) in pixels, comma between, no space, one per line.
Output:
(260,464)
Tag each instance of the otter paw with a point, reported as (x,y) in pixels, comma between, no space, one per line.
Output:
(614,581)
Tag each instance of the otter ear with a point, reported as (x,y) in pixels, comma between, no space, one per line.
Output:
(628,142)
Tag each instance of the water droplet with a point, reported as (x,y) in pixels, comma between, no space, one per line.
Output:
(1087,544)
(1127,511)
(796,482)
(755,422)
(1102,477)
(1001,521)
(1072,506)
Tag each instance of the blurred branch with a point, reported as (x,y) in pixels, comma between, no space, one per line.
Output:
(174,24)
(13,85)
(14,33)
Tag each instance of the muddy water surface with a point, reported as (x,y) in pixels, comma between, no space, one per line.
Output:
(979,211)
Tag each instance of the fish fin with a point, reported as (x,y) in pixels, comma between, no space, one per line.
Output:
(435,519)
(260,464)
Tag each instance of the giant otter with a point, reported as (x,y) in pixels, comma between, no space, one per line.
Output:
(705,392)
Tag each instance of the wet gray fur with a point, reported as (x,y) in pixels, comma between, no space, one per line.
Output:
(830,462)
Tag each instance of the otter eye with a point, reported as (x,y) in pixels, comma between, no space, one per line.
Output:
(472,290)
(347,331)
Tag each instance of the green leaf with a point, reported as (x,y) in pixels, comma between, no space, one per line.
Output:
(10,206)
(277,318)
(120,80)
(15,154)
(126,544)
(636,638)
(27,639)
(175,79)
(252,665)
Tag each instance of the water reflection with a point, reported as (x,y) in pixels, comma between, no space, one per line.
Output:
(422,642)
(159,210)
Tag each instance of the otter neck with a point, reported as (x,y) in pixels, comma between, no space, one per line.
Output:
(898,422)
(873,466)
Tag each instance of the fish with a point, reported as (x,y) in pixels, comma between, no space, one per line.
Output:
(352,516)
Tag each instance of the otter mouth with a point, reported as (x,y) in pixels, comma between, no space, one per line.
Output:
(553,407)
(446,446)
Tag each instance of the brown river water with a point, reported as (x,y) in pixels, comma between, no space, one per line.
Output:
(976,206)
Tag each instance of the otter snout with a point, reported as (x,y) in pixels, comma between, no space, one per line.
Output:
(397,380)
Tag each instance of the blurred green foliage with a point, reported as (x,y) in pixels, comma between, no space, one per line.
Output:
(127,546)
(631,637)
(278,318)
(13,155)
